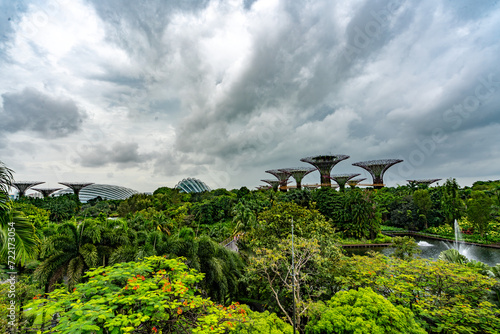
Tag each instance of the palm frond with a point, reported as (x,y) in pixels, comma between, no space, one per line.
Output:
(452,255)
(26,241)
(75,271)
(46,270)
(123,254)
(89,255)
(6,178)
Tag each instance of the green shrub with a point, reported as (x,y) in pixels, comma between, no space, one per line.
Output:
(361,311)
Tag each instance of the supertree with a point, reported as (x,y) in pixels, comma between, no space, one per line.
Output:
(426,182)
(46,191)
(342,179)
(377,168)
(23,186)
(274,184)
(325,163)
(298,173)
(354,182)
(281,176)
(76,186)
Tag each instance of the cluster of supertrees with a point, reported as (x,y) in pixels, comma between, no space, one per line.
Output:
(23,186)
(324,164)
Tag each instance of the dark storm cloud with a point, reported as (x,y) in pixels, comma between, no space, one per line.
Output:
(294,67)
(238,86)
(124,155)
(139,26)
(34,111)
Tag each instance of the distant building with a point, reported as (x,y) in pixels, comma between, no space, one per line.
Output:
(191,185)
(105,191)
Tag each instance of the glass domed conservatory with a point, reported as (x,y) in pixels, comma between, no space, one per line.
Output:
(191,185)
(105,191)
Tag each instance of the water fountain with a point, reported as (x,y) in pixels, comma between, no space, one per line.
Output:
(462,248)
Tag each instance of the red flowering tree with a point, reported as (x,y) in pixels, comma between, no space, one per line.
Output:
(157,295)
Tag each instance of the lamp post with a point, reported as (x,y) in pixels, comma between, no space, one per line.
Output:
(293,282)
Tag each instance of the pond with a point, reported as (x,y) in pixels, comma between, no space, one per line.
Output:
(432,248)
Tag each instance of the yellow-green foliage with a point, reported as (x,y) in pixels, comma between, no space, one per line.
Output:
(36,216)
(445,297)
(361,312)
(445,229)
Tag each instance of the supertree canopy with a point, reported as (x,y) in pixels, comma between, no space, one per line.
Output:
(342,179)
(423,181)
(325,163)
(22,186)
(377,168)
(353,182)
(274,183)
(76,186)
(298,173)
(281,176)
(46,191)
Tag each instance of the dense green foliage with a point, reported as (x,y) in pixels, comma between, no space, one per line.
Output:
(361,311)
(79,260)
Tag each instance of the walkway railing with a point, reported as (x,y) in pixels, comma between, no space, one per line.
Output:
(232,242)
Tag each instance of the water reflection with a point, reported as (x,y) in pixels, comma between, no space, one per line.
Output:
(432,248)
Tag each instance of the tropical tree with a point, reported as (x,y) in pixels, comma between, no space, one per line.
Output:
(360,216)
(405,247)
(70,252)
(422,199)
(244,218)
(275,224)
(272,274)
(155,295)
(16,233)
(222,268)
(451,204)
(479,211)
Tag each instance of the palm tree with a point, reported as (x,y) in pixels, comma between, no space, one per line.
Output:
(244,218)
(452,255)
(6,180)
(13,225)
(69,253)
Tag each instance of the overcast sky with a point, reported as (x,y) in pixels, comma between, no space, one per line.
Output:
(145,93)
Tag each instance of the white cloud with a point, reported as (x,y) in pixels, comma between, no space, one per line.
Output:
(227,90)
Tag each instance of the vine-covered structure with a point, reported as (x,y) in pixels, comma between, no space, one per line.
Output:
(76,186)
(273,183)
(23,186)
(377,168)
(342,179)
(281,176)
(298,173)
(325,164)
(46,191)
(354,182)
